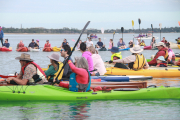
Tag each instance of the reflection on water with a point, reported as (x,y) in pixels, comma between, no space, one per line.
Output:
(114,109)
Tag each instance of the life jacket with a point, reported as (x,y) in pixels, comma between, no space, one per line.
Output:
(47,45)
(20,45)
(178,41)
(142,44)
(78,87)
(139,63)
(39,71)
(55,75)
(163,64)
(116,55)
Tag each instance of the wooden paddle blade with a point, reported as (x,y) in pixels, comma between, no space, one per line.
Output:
(139,20)
(122,29)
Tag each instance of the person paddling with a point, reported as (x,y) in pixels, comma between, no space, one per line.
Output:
(20,45)
(6,44)
(54,67)
(135,61)
(80,79)
(30,72)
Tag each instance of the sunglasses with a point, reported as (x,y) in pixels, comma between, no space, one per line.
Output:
(62,50)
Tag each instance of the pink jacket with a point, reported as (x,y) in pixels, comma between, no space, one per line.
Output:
(98,64)
(88,57)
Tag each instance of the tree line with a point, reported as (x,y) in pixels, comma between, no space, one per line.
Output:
(74,30)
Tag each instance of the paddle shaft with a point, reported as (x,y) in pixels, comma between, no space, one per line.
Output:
(73,49)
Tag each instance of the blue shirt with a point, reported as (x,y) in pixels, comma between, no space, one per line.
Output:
(120,44)
(6,45)
(1,34)
(100,44)
(32,45)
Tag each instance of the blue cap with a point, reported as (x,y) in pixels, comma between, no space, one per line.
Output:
(161,58)
(115,49)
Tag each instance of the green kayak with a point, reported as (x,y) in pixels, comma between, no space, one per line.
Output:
(49,92)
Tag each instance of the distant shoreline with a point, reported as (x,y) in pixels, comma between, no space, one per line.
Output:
(67,33)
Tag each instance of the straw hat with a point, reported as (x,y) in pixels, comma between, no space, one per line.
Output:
(54,56)
(24,56)
(160,43)
(136,49)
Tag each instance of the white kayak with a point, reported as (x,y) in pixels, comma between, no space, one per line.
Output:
(173,45)
(145,38)
(34,50)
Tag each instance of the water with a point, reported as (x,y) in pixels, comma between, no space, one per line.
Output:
(115,109)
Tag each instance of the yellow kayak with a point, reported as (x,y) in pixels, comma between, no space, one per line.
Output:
(56,49)
(155,73)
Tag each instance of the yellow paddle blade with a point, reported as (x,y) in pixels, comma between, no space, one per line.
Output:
(10,48)
(114,33)
(132,23)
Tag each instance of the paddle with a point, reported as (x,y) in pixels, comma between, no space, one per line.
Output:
(179,23)
(152,30)
(102,31)
(139,21)
(133,30)
(73,49)
(113,35)
(160,25)
(122,30)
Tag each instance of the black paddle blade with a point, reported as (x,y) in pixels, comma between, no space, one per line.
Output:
(73,49)
(122,29)
(152,26)
(139,20)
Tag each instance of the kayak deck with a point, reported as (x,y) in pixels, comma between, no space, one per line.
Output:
(48,92)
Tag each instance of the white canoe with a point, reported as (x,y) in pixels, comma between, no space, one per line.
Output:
(173,45)
(34,50)
(145,38)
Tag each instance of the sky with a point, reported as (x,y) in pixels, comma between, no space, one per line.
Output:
(107,14)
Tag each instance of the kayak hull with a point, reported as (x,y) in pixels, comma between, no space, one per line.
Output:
(173,45)
(155,73)
(34,50)
(56,49)
(48,92)
(22,49)
(124,49)
(3,49)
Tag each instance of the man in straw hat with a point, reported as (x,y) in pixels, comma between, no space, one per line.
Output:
(135,61)
(30,71)
(162,52)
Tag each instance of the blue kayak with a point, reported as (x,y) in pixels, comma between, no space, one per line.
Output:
(112,78)
(124,49)
(120,78)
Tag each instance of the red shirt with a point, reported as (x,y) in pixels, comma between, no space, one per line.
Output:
(161,52)
(81,77)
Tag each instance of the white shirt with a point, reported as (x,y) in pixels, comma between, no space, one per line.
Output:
(89,43)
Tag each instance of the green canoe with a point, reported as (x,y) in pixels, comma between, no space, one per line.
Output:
(49,92)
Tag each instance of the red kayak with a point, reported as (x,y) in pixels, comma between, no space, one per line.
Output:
(147,48)
(5,76)
(47,49)
(3,49)
(22,49)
